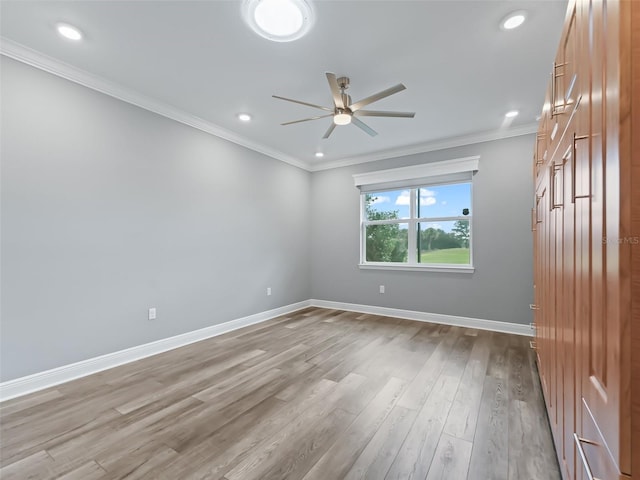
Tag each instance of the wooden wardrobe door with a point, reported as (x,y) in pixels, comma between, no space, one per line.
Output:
(553,367)
(601,341)
(566,314)
(542,292)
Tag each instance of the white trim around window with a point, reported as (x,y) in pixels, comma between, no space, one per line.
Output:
(448,171)
(413,179)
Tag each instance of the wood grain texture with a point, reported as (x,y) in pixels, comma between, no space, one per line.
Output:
(634,127)
(319,394)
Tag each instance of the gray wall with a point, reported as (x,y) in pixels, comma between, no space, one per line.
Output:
(501,287)
(108,209)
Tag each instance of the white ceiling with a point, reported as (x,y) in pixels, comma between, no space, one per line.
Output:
(198,62)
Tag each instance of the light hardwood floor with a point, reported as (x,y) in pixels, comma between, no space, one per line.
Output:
(319,394)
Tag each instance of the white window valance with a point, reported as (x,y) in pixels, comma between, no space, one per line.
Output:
(448,171)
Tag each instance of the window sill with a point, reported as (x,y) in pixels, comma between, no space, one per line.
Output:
(418,268)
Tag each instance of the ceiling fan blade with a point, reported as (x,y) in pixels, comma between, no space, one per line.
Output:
(330,130)
(308,119)
(377,96)
(360,124)
(378,113)
(335,89)
(303,103)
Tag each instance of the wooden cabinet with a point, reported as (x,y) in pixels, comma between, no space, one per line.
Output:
(586,223)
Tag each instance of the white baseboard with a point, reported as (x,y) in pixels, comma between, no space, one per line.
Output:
(468,322)
(49,378)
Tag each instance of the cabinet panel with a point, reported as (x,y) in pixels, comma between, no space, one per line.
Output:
(593,456)
(569,73)
(542,292)
(601,369)
(567,314)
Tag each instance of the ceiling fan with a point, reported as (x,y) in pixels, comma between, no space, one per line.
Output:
(344,112)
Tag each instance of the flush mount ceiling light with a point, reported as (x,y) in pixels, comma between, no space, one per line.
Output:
(513,20)
(278,20)
(319,154)
(244,117)
(69,31)
(511,114)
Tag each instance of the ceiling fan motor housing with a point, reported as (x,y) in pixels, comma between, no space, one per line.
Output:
(343,82)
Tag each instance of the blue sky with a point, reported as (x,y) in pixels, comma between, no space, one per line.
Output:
(435,201)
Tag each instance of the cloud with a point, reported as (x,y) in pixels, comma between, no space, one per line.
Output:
(426,201)
(404,198)
(380,199)
(427,198)
(444,202)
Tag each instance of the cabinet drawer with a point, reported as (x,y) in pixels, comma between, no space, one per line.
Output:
(592,455)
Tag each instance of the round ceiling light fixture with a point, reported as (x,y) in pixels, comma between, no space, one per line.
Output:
(511,114)
(513,20)
(69,31)
(342,118)
(244,117)
(319,154)
(278,20)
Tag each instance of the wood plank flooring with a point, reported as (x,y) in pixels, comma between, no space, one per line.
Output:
(317,395)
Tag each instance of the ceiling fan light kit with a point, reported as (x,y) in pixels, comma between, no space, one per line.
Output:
(342,118)
(344,111)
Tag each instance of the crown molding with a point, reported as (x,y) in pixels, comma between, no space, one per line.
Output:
(26,55)
(432,146)
(49,64)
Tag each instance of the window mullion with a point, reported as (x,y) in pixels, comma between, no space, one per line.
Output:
(411,257)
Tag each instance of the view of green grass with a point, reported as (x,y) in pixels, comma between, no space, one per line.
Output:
(449,255)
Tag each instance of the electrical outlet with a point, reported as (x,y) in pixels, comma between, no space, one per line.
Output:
(268,291)
(152,313)
(381,288)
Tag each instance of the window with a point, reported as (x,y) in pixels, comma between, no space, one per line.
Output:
(418,217)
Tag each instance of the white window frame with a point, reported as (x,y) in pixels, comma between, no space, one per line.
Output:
(447,172)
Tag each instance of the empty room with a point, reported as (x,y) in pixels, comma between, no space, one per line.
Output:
(320,239)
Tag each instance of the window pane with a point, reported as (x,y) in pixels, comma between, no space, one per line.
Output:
(444,200)
(444,242)
(387,205)
(387,243)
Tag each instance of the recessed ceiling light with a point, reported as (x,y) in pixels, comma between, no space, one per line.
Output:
(69,31)
(244,117)
(513,20)
(511,114)
(278,20)
(319,154)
